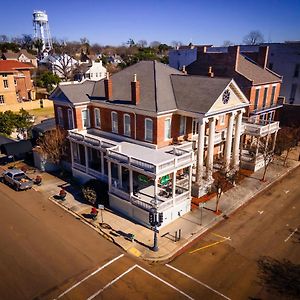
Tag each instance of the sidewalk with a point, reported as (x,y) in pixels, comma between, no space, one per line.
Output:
(118,229)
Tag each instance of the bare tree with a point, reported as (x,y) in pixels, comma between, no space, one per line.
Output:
(154,44)
(53,145)
(176,44)
(4,38)
(265,148)
(287,139)
(227,43)
(142,43)
(254,37)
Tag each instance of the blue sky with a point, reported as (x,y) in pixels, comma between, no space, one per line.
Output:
(199,22)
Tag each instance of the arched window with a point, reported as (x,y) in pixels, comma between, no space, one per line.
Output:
(97,118)
(148,130)
(127,125)
(114,122)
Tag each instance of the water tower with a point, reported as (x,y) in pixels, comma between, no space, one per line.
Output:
(41,29)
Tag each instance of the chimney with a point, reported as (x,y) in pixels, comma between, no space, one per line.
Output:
(234,52)
(108,87)
(210,72)
(262,56)
(135,91)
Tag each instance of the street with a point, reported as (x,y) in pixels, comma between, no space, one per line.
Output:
(48,254)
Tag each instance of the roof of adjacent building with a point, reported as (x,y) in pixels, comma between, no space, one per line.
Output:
(188,97)
(254,72)
(13,65)
(73,92)
(15,55)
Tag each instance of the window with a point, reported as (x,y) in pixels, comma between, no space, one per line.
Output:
(4,75)
(167,129)
(256,98)
(127,128)
(293,93)
(70,119)
(265,97)
(91,75)
(96,74)
(114,122)
(15,81)
(97,118)
(182,128)
(60,118)
(148,130)
(5,83)
(85,118)
(1,99)
(296,73)
(273,95)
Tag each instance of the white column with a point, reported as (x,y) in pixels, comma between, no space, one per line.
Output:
(109,175)
(120,176)
(102,162)
(200,152)
(130,182)
(228,143)
(174,187)
(190,180)
(155,187)
(86,159)
(236,144)
(274,141)
(210,149)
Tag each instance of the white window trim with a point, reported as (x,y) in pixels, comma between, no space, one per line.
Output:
(95,117)
(184,126)
(145,136)
(112,122)
(88,118)
(165,132)
(124,117)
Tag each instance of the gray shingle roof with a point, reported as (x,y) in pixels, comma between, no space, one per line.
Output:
(155,86)
(254,72)
(74,93)
(197,93)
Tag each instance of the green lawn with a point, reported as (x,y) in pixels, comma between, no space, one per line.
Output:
(42,112)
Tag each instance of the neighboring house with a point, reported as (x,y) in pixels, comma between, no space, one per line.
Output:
(21,56)
(15,82)
(115,59)
(155,134)
(93,71)
(260,85)
(184,55)
(62,65)
(284,59)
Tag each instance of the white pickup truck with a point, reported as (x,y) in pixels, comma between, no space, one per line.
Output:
(17,179)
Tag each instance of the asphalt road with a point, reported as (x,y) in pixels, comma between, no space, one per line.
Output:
(46,253)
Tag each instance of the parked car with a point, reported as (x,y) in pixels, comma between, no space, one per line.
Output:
(17,179)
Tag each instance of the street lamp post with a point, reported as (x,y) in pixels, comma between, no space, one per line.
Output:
(155,220)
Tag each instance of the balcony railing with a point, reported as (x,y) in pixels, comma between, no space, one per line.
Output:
(261,128)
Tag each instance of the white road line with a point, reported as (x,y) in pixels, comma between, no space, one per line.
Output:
(165,282)
(198,281)
(87,277)
(291,235)
(110,283)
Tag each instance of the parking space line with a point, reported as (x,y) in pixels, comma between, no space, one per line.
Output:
(223,237)
(87,277)
(198,281)
(291,235)
(165,282)
(110,283)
